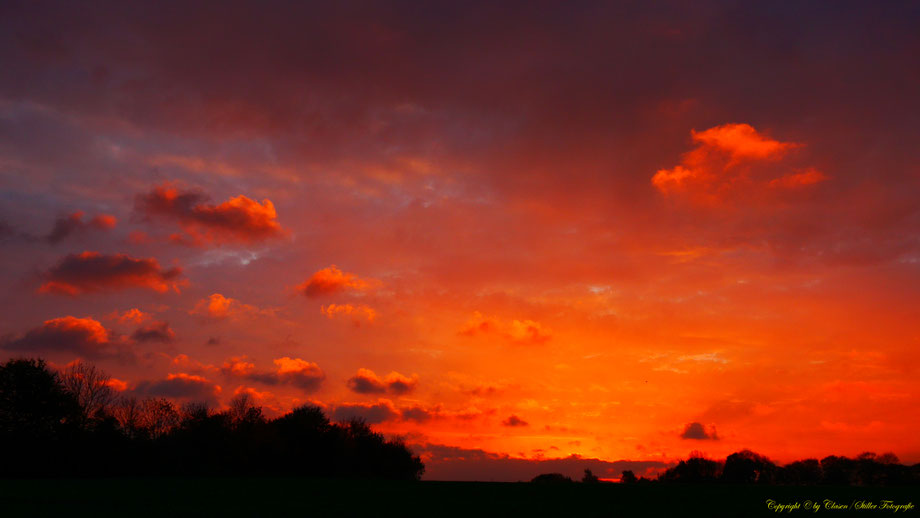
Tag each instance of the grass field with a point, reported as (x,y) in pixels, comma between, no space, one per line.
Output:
(307,497)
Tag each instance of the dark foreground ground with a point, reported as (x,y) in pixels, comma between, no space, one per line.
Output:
(305,497)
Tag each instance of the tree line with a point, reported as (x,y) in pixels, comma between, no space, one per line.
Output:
(72,423)
(748,467)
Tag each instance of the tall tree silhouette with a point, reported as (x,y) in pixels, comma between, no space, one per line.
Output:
(90,387)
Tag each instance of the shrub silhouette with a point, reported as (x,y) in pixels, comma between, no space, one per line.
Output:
(551,478)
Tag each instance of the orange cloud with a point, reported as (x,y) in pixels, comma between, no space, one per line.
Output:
(720,163)
(740,141)
(91,272)
(237,220)
(238,366)
(359,311)
(184,362)
(367,382)
(528,331)
(519,331)
(804,178)
(332,280)
(219,307)
(117,384)
(131,316)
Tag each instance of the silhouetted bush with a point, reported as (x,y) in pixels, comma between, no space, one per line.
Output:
(72,425)
(551,478)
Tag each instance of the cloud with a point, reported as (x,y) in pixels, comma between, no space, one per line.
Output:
(117,384)
(157,331)
(367,382)
(740,142)
(219,307)
(518,331)
(295,372)
(187,364)
(418,414)
(514,421)
(82,336)
(374,413)
(697,431)
(528,331)
(182,386)
(132,316)
(92,272)
(720,164)
(357,311)
(237,220)
(65,226)
(331,280)
(239,366)
(798,180)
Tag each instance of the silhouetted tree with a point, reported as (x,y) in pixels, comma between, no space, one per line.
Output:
(158,417)
(589,477)
(243,411)
(127,413)
(800,473)
(747,467)
(90,387)
(838,470)
(71,425)
(37,419)
(628,477)
(696,469)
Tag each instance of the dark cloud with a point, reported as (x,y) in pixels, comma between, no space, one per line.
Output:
(514,421)
(84,337)
(418,414)
(697,431)
(571,103)
(367,382)
(372,413)
(295,372)
(180,386)
(452,463)
(65,226)
(238,219)
(364,383)
(91,272)
(154,332)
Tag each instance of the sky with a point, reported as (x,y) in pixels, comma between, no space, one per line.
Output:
(514,233)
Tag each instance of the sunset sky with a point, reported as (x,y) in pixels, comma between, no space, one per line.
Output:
(624,231)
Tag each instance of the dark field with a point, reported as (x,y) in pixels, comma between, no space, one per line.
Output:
(309,497)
